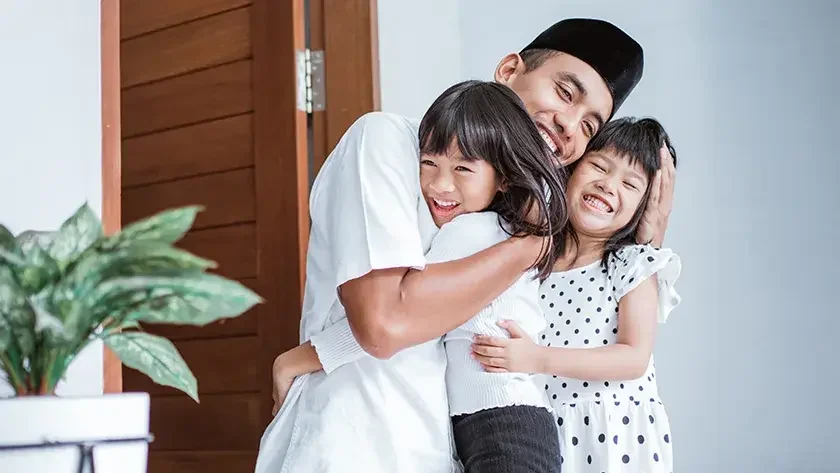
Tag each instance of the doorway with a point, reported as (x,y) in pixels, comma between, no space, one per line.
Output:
(216,111)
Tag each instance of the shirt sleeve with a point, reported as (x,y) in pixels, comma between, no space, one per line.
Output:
(633,264)
(366,198)
(466,235)
(336,346)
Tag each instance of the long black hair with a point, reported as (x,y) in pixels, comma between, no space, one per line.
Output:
(639,140)
(491,123)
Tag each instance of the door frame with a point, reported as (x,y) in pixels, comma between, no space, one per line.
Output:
(111,158)
(347,32)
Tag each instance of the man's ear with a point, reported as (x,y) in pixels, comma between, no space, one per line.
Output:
(510,67)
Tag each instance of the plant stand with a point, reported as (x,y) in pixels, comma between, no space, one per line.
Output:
(50,434)
(87,462)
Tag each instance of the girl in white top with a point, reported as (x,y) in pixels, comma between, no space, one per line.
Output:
(602,305)
(484,169)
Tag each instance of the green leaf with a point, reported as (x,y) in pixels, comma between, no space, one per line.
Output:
(19,315)
(168,226)
(76,234)
(9,249)
(134,258)
(39,270)
(34,238)
(5,334)
(156,357)
(189,299)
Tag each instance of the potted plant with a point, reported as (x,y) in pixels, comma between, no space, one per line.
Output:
(61,291)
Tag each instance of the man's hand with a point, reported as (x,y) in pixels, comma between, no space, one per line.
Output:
(655,219)
(517,354)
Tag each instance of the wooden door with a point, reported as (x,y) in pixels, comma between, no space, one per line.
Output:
(210,116)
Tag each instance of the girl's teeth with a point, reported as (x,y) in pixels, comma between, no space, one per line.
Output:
(445,203)
(597,203)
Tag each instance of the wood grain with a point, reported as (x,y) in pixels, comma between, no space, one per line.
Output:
(196,45)
(219,422)
(202,462)
(282,180)
(111,160)
(234,248)
(222,365)
(228,198)
(214,146)
(201,96)
(143,16)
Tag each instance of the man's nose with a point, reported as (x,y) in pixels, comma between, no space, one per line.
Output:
(567,123)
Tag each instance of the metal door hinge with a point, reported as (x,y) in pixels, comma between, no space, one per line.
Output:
(311,96)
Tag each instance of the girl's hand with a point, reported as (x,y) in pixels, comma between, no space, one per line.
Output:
(282,384)
(517,354)
(299,360)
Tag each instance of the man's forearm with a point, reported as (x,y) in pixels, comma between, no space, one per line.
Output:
(443,296)
(659,239)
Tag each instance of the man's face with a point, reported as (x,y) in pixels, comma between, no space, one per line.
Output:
(568,99)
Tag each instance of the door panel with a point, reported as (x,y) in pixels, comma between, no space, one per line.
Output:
(210,117)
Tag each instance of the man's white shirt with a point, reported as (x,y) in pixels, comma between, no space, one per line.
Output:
(375,416)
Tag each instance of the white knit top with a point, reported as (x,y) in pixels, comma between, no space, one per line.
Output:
(469,387)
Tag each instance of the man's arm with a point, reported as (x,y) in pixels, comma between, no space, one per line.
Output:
(393,309)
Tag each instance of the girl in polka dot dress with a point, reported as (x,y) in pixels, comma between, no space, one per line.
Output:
(602,305)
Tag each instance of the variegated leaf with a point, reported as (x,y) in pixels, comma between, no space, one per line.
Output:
(5,333)
(168,226)
(32,238)
(193,299)
(16,309)
(39,270)
(76,234)
(156,357)
(9,250)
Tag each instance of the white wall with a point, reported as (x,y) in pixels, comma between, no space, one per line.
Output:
(50,129)
(748,363)
(419,53)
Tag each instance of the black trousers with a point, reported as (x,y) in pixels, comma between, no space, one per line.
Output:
(515,439)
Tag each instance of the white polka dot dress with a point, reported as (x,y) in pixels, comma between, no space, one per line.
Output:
(618,425)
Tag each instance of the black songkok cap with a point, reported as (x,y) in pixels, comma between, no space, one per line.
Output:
(616,56)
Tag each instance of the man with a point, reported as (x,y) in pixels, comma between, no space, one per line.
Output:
(369,291)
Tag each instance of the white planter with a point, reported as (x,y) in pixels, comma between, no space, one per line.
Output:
(35,420)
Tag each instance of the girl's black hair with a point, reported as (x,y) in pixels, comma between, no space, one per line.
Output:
(491,123)
(639,140)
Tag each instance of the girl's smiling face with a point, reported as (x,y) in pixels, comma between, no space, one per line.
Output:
(604,192)
(453,185)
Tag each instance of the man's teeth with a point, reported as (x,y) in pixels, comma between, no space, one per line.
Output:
(551,144)
(445,203)
(597,203)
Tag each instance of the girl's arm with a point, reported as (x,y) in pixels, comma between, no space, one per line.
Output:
(626,359)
